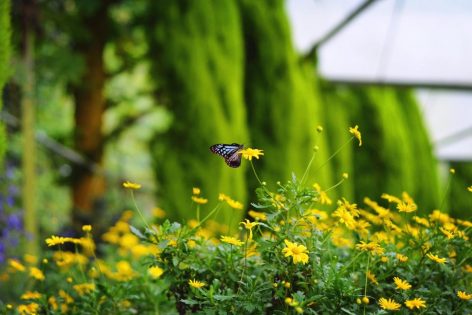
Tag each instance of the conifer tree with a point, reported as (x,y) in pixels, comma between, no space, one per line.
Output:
(460,196)
(282,102)
(197,56)
(396,154)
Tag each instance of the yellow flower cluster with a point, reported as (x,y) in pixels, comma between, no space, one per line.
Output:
(232,203)
(129,244)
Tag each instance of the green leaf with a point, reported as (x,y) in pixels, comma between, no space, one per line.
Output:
(189,301)
(136,232)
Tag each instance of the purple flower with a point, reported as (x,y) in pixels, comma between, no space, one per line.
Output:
(13,190)
(2,253)
(14,222)
(10,201)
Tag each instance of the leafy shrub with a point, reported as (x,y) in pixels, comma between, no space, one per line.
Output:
(291,258)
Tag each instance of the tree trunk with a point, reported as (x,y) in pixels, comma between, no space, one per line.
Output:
(28,128)
(88,185)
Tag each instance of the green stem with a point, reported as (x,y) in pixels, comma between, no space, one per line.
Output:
(366,279)
(332,155)
(349,264)
(260,182)
(308,167)
(139,211)
(198,213)
(255,173)
(208,216)
(336,185)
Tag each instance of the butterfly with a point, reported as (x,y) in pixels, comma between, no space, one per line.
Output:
(230,152)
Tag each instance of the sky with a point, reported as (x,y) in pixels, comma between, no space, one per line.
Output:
(400,40)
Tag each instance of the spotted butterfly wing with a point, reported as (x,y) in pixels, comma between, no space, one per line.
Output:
(230,152)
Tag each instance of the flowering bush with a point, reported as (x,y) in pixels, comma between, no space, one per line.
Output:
(291,257)
(11,221)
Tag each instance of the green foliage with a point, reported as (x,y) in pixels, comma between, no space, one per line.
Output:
(396,154)
(337,104)
(426,188)
(200,69)
(295,260)
(281,98)
(4,62)
(460,195)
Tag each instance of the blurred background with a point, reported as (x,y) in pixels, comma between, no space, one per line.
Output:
(98,92)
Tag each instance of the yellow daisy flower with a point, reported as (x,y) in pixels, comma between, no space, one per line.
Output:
(372,247)
(356,133)
(28,295)
(32,308)
(231,240)
(436,258)
(196,284)
(389,304)
(401,284)
(260,216)
(56,240)
(415,303)
(298,252)
(372,277)
(15,264)
(249,226)
(322,195)
(401,258)
(198,200)
(249,153)
(36,274)
(84,288)
(464,295)
(155,272)
(406,207)
(131,185)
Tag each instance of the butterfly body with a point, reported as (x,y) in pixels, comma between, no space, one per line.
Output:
(230,152)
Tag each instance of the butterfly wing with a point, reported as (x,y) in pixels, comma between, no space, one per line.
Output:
(230,152)
(234,160)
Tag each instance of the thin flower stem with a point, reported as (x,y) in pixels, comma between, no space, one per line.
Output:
(335,185)
(198,213)
(260,182)
(366,271)
(81,268)
(139,211)
(245,261)
(308,167)
(255,173)
(208,216)
(350,263)
(95,255)
(143,219)
(332,155)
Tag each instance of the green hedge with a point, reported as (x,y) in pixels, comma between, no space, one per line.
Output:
(460,199)
(197,56)
(396,154)
(281,98)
